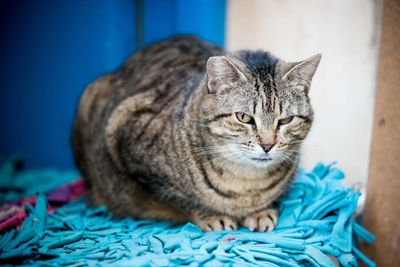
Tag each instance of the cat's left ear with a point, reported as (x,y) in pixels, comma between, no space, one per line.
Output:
(301,73)
(223,72)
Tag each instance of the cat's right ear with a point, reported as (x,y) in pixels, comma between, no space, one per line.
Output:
(222,73)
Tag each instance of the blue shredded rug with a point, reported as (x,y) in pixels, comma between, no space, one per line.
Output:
(315,228)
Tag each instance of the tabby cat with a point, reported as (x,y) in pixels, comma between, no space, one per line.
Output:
(184,131)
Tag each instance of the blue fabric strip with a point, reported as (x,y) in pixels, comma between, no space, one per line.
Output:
(315,223)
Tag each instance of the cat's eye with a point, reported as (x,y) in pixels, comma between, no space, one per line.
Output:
(285,121)
(242,117)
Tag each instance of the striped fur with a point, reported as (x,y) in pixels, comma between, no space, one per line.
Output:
(159,139)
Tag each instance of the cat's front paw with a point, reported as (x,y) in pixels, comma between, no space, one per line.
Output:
(263,221)
(214,222)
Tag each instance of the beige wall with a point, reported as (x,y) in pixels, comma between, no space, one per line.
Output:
(346,33)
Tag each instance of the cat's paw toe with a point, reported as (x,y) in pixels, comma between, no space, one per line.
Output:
(264,221)
(216,223)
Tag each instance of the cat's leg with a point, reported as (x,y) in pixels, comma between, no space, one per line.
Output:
(262,221)
(124,197)
(213,222)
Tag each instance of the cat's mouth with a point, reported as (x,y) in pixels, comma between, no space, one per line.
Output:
(262,159)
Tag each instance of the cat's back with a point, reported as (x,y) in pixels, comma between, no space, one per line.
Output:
(168,62)
(154,70)
(171,55)
(149,81)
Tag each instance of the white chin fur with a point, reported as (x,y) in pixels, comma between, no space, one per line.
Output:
(262,163)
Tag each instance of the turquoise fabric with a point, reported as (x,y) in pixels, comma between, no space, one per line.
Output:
(315,221)
(15,184)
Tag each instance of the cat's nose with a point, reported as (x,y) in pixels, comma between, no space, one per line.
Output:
(266,147)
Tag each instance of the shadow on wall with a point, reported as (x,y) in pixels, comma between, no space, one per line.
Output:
(51,50)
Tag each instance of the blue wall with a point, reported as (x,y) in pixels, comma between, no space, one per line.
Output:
(51,49)
(202,17)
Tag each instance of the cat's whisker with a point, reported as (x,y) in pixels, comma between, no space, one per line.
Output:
(289,151)
(296,141)
(211,151)
(222,161)
(211,148)
(232,156)
(291,160)
(225,151)
(287,158)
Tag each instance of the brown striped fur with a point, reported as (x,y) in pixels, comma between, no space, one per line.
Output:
(159,138)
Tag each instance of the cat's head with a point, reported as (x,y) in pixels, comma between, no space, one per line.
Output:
(256,111)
